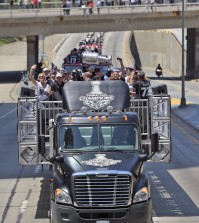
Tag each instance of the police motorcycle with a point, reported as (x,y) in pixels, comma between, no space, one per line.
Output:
(158,71)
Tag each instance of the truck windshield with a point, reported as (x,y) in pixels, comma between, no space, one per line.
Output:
(98,137)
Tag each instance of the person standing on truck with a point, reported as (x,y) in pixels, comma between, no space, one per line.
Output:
(73,57)
(67,76)
(57,88)
(131,77)
(43,90)
(45,71)
(97,75)
(141,89)
(87,76)
(51,77)
(115,74)
(141,86)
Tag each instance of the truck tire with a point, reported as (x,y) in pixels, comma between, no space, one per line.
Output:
(51,217)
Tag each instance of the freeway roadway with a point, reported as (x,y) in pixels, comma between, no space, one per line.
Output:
(24,190)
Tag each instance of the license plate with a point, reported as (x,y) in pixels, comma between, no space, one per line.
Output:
(102,221)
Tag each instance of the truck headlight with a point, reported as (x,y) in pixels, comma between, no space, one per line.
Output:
(62,197)
(141,195)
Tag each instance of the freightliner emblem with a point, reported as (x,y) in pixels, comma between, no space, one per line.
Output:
(101,161)
(96,99)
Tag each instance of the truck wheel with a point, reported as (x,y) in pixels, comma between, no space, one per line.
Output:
(50,216)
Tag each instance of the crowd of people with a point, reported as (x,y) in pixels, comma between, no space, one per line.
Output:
(88,64)
(26,4)
(68,4)
(49,83)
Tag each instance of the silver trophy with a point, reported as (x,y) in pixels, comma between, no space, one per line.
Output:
(95,58)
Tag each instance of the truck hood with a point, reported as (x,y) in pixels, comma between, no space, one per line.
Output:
(111,161)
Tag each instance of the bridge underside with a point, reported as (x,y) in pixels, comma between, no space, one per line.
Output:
(192,70)
(120,21)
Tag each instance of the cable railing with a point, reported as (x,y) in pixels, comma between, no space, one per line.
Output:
(55,9)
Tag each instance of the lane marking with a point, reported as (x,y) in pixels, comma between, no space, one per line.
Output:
(3,116)
(185,132)
(37,169)
(23,206)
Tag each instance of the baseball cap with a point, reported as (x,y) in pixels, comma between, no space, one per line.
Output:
(58,75)
(132,67)
(45,69)
(115,70)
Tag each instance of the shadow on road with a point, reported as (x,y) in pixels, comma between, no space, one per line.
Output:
(165,78)
(43,205)
(11,76)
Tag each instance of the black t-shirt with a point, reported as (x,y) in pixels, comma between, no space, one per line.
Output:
(57,87)
(141,88)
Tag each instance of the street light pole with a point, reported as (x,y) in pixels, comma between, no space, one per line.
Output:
(183,99)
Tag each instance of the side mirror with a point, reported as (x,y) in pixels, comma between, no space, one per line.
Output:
(154,142)
(143,157)
(41,145)
(57,159)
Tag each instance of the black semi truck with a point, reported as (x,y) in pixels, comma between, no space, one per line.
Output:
(96,141)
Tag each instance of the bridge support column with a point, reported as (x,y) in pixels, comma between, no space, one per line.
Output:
(32,50)
(192,53)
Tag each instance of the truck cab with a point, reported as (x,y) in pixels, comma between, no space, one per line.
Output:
(96,141)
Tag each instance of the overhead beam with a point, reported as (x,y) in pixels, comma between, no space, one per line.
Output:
(49,25)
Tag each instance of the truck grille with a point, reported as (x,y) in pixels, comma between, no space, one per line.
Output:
(105,190)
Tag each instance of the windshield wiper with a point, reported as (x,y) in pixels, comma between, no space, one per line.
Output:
(74,151)
(114,149)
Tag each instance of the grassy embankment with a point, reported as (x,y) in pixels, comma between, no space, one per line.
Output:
(6,40)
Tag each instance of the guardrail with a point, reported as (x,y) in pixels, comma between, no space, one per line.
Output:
(127,9)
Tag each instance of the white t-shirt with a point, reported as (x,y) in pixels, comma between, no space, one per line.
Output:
(42,93)
(98,4)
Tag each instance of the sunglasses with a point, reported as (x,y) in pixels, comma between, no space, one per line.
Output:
(41,77)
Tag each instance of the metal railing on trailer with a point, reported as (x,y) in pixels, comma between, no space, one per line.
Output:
(161,123)
(155,114)
(34,117)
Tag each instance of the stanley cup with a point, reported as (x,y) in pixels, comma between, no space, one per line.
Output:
(95,58)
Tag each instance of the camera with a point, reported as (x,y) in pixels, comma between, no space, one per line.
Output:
(108,73)
(77,75)
(118,58)
(38,69)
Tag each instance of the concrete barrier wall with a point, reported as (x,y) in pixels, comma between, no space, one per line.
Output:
(158,47)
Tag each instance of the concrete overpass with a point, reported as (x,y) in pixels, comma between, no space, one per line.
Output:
(32,23)
(52,21)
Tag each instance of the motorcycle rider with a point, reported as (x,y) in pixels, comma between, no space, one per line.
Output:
(158,71)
